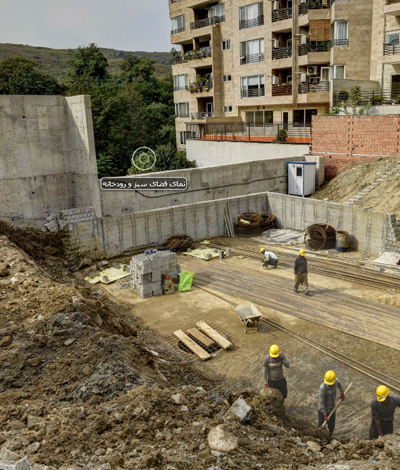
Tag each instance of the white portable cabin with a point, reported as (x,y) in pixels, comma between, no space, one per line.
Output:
(301,178)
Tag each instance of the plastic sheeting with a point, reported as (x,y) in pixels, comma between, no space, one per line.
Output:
(109,275)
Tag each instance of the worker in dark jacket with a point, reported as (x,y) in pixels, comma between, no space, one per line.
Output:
(327,399)
(382,408)
(273,370)
(301,272)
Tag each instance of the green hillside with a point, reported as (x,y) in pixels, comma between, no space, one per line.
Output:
(55,61)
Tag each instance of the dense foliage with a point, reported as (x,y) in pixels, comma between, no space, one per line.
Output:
(130,110)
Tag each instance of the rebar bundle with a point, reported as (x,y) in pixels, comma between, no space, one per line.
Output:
(179,242)
(319,236)
(268,221)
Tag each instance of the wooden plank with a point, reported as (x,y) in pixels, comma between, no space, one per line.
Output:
(224,343)
(202,338)
(203,355)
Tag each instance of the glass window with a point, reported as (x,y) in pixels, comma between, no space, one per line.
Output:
(228,109)
(180,82)
(252,51)
(182,110)
(218,10)
(227,77)
(393,39)
(249,15)
(338,71)
(182,138)
(259,118)
(226,45)
(340,33)
(302,117)
(178,24)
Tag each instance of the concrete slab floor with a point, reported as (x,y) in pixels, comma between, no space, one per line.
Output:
(242,367)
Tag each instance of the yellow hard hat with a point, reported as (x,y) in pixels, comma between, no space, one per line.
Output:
(302,252)
(382,392)
(330,377)
(274,351)
(262,250)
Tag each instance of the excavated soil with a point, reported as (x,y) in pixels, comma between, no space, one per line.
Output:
(83,384)
(384,198)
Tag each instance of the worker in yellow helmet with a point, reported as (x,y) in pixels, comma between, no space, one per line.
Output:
(273,370)
(327,399)
(301,272)
(270,259)
(382,408)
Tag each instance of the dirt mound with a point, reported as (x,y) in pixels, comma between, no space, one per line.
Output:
(384,198)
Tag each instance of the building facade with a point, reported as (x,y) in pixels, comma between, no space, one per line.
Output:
(247,69)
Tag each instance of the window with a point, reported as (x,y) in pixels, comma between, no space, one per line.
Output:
(227,77)
(178,24)
(180,82)
(182,110)
(338,71)
(226,44)
(251,15)
(252,86)
(218,11)
(299,171)
(252,51)
(228,109)
(302,117)
(259,118)
(393,39)
(340,33)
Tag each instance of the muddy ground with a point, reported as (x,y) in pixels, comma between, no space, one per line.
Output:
(88,373)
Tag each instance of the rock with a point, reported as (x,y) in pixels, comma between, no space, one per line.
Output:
(34,362)
(200,389)
(86,370)
(216,454)
(69,341)
(214,468)
(5,341)
(100,451)
(273,428)
(201,447)
(8,456)
(179,399)
(240,409)
(313,446)
(159,437)
(221,440)
(22,464)
(184,408)
(202,410)
(32,448)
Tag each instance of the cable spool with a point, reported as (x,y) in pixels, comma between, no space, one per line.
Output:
(319,236)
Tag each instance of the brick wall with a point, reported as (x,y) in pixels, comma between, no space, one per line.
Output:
(346,141)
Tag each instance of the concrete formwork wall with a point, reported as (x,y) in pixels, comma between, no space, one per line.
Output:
(205,184)
(47,157)
(210,153)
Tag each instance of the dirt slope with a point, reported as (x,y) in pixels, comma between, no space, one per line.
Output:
(384,198)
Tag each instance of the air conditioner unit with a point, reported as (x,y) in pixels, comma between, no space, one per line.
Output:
(312,70)
(303,77)
(275,5)
(275,80)
(275,43)
(303,39)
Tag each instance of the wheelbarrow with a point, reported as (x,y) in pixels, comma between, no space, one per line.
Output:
(249,315)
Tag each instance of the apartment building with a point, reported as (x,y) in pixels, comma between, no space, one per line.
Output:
(267,63)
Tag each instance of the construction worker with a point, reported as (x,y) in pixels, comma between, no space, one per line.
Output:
(327,399)
(301,272)
(270,258)
(382,408)
(273,370)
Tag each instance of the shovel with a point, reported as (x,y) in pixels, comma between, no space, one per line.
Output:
(334,409)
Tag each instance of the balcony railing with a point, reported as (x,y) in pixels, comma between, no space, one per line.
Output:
(199,87)
(339,42)
(252,92)
(282,90)
(193,55)
(314,5)
(245,24)
(197,116)
(252,58)
(281,53)
(375,98)
(179,30)
(279,15)
(309,87)
(314,46)
(207,22)
(243,132)
(389,49)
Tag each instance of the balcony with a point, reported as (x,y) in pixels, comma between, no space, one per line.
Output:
(200,86)
(282,90)
(177,31)
(316,5)
(198,116)
(375,98)
(245,24)
(281,53)
(280,15)
(252,58)
(252,92)
(314,46)
(389,49)
(207,22)
(309,87)
(193,55)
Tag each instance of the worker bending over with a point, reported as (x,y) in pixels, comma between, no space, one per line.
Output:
(301,272)
(273,370)
(270,258)
(382,408)
(327,399)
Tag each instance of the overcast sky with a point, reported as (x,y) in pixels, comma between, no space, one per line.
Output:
(130,25)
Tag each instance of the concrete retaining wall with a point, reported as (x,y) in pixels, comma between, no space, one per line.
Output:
(205,184)
(211,153)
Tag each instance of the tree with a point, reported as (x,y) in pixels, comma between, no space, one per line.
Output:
(18,76)
(137,67)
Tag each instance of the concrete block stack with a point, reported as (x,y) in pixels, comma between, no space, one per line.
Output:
(149,270)
(52,223)
(74,216)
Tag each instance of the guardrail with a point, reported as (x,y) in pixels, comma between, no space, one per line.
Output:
(390,49)
(339,42)
(279,15)
(314,46)
(252,93)
(252,58)
(179,30)
(245,24)
(197,116)
(309,87)
(207,22)
(282,90)
(204,86)
(316,5)
(193,55)
(281,53)
(375,98)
